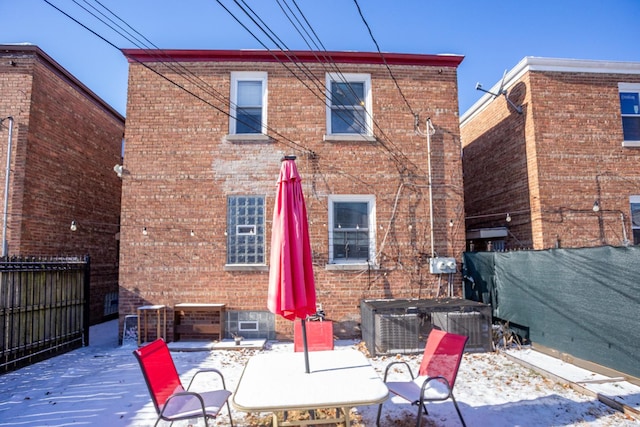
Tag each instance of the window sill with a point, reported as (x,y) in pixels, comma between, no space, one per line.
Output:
(246,267)
(248,138)
(631,144)
(349,137)
(350,267)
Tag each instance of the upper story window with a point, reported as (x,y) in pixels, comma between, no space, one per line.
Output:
(245,230)
(349,105)
(630,110)
(634,201)
(248,103)
(352,229)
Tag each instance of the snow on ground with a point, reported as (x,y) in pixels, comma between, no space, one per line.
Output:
(101,385)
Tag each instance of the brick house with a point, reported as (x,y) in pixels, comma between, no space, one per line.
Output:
(205,134)
(564,171)
(65,143)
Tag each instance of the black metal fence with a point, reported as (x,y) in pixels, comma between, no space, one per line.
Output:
(44,308)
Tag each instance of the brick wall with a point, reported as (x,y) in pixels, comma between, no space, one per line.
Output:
(180,170)
(65,144)
(548,165)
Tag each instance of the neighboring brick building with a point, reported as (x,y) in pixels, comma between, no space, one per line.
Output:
(205,134)
(575,146)
(65,143)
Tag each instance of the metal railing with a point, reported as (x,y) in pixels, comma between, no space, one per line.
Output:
(44,308)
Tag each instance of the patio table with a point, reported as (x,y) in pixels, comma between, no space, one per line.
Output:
(340,379)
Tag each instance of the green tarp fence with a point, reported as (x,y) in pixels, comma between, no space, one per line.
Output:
(584,302)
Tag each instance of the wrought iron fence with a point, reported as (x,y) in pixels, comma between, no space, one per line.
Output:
(44,308)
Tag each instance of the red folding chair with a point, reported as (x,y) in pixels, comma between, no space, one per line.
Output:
(436,376)
(172,401)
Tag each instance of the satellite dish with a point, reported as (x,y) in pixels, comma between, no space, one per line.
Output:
(501,91)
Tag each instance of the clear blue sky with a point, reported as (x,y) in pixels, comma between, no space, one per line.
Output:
(493,35)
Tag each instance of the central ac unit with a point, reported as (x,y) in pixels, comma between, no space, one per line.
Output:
(471,324)
(397,333)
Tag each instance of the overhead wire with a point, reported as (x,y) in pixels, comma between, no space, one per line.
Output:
(394,150)
(171,64)
(399,157)
(393,77)
(395,153)
(199,82)
(282,47)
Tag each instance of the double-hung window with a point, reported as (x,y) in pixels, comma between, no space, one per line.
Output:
(352,229)
(349,105)
(245,230)
(634,201)
(248,112)
(630,110)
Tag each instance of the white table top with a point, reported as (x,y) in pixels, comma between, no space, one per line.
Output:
(152,307)
(278,381)
(197,305)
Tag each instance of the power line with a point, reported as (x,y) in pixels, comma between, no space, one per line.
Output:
(384,59)
(171,65)
(399,158)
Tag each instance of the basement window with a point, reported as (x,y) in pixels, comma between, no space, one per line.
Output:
(634,201)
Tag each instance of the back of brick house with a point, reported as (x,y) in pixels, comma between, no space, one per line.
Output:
(206,131)
(573,148)
(66,141)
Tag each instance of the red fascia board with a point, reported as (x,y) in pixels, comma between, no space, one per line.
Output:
(341,57)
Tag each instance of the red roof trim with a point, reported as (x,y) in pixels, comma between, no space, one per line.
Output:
(160,55)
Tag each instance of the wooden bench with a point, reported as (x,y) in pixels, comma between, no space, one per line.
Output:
(198,321)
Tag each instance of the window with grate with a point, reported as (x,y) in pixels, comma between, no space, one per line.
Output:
(352,229)
(245,230)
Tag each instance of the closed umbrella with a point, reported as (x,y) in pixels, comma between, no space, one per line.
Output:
(292,290)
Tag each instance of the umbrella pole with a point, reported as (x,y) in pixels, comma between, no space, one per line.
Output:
(306,348)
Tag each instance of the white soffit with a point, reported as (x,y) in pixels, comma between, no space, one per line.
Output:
(487,233)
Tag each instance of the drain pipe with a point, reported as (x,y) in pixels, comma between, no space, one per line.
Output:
(6,188)
(430,131)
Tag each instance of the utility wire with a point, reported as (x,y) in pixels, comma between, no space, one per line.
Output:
(176,67)
(400,161)
(384,59)
(400,158)
(171,66)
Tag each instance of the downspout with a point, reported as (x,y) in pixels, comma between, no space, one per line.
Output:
(430,131)
(5,245)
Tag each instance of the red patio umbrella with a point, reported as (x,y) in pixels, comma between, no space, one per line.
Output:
(292,289)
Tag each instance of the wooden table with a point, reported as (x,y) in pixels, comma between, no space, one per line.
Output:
(340,379)
(200,321)
(160,312)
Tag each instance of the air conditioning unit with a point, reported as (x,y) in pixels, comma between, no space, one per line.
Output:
(472,324)
(397,333)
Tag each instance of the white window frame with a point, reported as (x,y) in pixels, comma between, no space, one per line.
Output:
(239,76)
(634,88)
(348,78)
(371,213)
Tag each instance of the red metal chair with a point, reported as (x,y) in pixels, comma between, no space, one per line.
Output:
(319,335)
(172,401)
(436,376)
